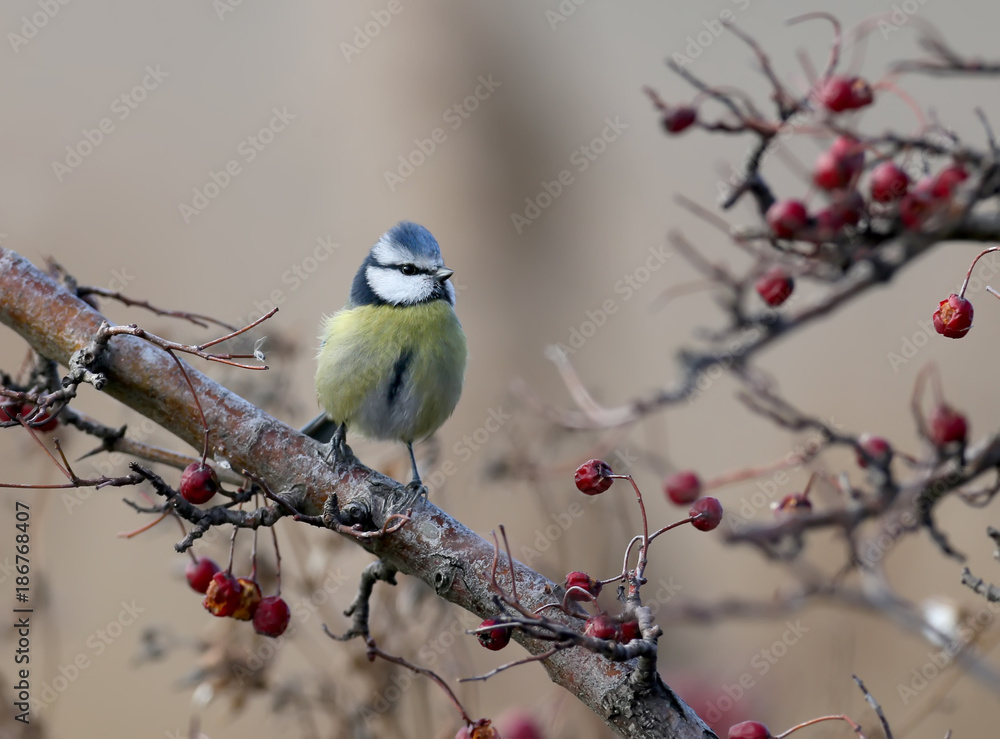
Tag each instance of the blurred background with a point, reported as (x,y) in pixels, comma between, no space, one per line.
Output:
(223,157)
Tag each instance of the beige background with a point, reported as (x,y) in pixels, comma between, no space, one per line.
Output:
(116,217)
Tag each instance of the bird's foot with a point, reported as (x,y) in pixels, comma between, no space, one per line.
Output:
(337,451)
(416,488)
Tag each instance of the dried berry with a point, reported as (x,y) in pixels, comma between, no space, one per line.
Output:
(593,477)
(953,318)
(223,595)
(250,598)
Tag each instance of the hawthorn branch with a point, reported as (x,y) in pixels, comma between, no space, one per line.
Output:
(434,547)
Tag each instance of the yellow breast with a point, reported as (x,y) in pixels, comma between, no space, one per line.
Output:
(392,372)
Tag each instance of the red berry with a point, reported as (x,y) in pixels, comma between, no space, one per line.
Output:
(835,93)
(749,730)
(786,218)
(707,513)
(793,504)
(888,183)
(849,206)
(601,626)
(249,600)
(629,630)
(775,285)
(676,120)
(837,167)
(917,204)
(494,639)
(200,573)
(272,616)
(593,477)
(948,179)
(7,412)
(199,483)
(829,173)
(584,582)
(877,448)
(845,93)
(828,223)
(953,318)
(948,426)
(223,595)
(682,487)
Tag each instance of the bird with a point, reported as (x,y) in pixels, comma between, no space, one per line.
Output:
(391,362)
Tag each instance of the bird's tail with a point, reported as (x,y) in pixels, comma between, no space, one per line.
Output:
(320,428)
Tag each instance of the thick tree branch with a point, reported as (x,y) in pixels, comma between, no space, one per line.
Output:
(434,547)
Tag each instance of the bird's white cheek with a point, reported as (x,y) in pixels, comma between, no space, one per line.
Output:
(394,287)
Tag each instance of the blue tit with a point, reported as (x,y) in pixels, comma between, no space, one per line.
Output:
(391,362)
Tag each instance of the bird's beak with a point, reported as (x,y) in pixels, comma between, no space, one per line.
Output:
(443,274)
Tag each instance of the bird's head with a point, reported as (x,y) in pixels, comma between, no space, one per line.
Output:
(403,268)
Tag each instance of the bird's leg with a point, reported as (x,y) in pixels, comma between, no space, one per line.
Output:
(416,486)
(338,451)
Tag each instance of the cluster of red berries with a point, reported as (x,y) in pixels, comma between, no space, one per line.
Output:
(42,422)
(684,487)
(237,597)
(837,172)
(595,476)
